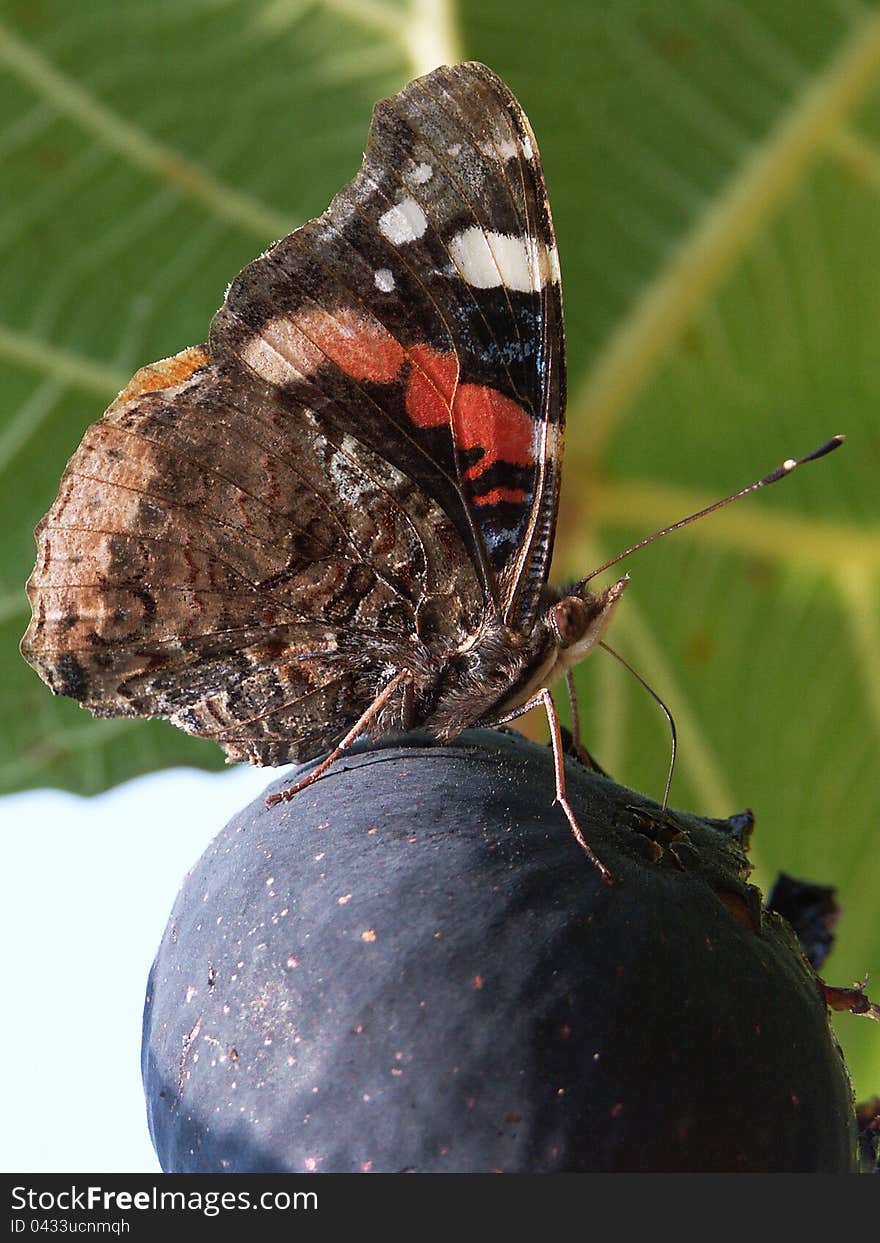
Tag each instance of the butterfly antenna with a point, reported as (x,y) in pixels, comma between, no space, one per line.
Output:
(783,470)
(674,733)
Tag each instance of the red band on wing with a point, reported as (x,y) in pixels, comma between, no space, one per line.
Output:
(358,344)
(485,419)
(432,382)
(361,346)
(516,495)
(482,418)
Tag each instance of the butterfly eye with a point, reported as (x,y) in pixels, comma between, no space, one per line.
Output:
(569,619)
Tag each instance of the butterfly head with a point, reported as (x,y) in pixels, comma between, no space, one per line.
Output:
(578,622)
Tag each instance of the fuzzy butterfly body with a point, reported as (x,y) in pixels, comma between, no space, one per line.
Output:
(339,512)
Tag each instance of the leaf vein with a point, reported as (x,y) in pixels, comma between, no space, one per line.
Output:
(130,141)
(718,239)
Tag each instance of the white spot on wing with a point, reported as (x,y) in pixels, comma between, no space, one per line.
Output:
(278,353)
(553,442)
(384,279)
(405,222)
(502,149)
(528,149)
(455,149)
(420,174)
(257,355)
(487,260)
(352,487)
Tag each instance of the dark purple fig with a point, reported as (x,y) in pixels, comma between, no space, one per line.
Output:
(413,966)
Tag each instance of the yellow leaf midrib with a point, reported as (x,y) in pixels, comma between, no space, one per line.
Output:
(747,529)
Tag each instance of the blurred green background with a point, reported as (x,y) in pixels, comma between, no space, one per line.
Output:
(715,174)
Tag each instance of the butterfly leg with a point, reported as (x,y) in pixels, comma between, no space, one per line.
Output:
(544,697)
(577,747)
(404,679)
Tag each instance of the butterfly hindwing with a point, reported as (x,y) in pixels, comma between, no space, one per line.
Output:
(197,565)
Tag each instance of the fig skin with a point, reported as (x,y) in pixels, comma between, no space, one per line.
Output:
(412,966)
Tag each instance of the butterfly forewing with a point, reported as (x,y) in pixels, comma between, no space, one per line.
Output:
(422,313)
(520,286)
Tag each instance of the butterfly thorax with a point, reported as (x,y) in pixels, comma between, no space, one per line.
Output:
(498,668)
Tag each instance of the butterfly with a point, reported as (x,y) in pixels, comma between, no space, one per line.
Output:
(336,517)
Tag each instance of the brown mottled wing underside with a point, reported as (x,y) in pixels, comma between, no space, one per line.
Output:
(196,566)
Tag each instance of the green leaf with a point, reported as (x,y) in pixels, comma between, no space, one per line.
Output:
(715,173)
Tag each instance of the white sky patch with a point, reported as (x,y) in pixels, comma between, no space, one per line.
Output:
(405,222)
(384,279)
(487,260)
(420,174)
(85,894)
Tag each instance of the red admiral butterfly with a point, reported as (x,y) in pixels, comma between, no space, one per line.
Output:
(337,516)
